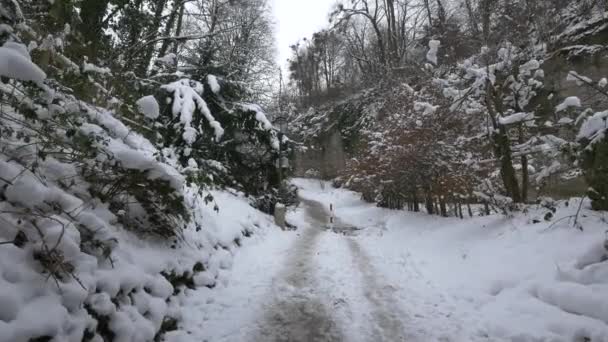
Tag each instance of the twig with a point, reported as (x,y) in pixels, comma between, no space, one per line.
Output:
(580,206)
(575,216)
(554,223)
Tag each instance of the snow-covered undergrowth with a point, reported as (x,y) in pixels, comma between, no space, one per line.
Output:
(508,279)
(75,274)
(231,310)
(101,232)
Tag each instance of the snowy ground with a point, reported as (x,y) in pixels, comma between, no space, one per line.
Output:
(408,277)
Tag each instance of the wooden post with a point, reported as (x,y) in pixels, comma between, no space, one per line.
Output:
(280,213)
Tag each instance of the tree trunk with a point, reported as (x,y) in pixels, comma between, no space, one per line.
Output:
(507,171)
(525,176)
(392,32)
(153,33)
(443,207)
(486,10)
(502,145)
(441,14)
(169,27)
(178,30)
(427,5)
(91,13)
(430,204)
(472,18)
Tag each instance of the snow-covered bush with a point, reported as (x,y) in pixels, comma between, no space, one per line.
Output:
(206,122)
(102,226)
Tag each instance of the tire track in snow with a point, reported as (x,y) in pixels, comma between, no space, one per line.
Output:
(387,317)
(297,313)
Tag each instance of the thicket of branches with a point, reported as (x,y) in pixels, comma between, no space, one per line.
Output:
(467,113)
(117,120)
(180,73)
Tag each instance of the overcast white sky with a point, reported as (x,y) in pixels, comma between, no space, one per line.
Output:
(296,19)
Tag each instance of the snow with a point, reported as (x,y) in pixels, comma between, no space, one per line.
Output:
(20,48)
(230,302)
(431,55)
(516,118)
(169,59)
(185,101)
(214,84)
(528,67)
(602,83)
(92,68)
(405,275)
(419,277)
(263,121)
(594,128)
(504,278)
(555,167)
(114,274)
(15,63)
(425,107)
(573,76)
(130,291)
(148,106)
(569,102)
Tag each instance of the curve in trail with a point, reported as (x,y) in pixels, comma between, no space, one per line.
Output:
(297,313)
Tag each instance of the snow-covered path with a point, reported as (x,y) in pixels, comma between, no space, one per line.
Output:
(314,284)
(331,290)
(381,275)
(298,312)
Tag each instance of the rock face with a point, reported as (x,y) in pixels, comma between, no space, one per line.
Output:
(327,159)
(595,163)
(586,60)
(583,50)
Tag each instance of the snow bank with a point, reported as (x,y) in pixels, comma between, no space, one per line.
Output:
(133,291)
(70,270)
(15,63)
(230,301)
(499,279)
